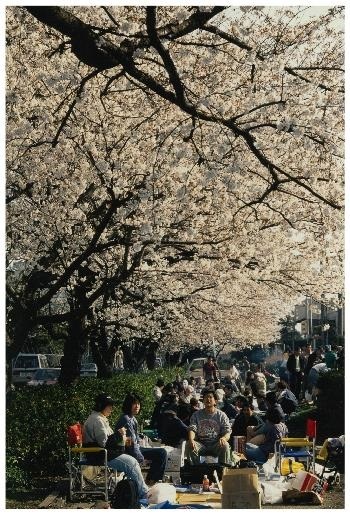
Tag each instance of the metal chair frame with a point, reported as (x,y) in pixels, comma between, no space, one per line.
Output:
(76,472)
(303,444)
(77,458)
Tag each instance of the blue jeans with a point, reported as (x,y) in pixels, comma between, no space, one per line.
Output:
(158,457)
(131,468)
(254,453)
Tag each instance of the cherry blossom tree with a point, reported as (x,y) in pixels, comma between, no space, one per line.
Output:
(173,172)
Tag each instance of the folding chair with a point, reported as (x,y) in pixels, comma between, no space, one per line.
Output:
(78,459)
(298,448)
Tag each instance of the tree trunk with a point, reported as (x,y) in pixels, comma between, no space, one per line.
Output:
(74,347)
(102,353)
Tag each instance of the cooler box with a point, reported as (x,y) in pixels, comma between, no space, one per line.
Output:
(175,460)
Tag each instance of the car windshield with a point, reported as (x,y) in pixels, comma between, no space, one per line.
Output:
(88,366)
(27,362)
(45,374)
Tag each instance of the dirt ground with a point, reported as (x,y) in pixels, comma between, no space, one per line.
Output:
(333,499)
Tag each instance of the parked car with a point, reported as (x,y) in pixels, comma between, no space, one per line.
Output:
(195,368)
(45,376)
(25,365)
(88,370)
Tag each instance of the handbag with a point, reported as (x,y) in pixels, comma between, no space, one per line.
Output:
(115,446)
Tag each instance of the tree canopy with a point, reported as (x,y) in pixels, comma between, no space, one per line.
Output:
(173,172)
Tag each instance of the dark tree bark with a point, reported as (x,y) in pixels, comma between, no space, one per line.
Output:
(74,347)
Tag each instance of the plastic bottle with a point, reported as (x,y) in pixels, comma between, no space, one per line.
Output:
(205,484)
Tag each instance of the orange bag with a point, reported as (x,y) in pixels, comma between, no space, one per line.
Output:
(75,434)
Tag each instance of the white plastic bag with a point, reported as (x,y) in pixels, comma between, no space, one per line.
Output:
(272,491)
(161,492)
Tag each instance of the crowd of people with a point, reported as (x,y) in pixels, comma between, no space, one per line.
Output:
(208,412)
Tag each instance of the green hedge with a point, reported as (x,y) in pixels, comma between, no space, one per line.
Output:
(37,419)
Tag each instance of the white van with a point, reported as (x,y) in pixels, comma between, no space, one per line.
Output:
(25,365)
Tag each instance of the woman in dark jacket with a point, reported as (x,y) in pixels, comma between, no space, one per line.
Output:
(157,455)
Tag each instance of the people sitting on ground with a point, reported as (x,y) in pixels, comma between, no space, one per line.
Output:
(209,370)
(209,385)
(272,403)
(220,397)
(240,401)
(246,418)
(168,389)
(186,395)
(209,432)
(157,456)
(98,432)
(275,429)
(259,382)
(157,390)
(184,412)
(286,398)
(228,406)
(192,382)
(195,405)
(250,382)
(236,385)
(261,402)
(172,430)
(247,392)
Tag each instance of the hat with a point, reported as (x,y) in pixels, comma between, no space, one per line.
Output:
(102,400)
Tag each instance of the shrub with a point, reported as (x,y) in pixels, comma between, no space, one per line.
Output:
(37,419)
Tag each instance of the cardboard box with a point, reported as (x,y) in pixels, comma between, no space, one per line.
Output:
(240,481)
(174,461)
(241,500)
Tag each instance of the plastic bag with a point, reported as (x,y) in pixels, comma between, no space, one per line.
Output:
(272,491)
(161,492)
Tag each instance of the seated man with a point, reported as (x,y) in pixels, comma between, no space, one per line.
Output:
(208,432)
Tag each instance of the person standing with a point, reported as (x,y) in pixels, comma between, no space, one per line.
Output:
(296,366)
(209,370)
(118,360)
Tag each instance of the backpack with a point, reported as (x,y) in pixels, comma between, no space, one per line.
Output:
(125,494)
